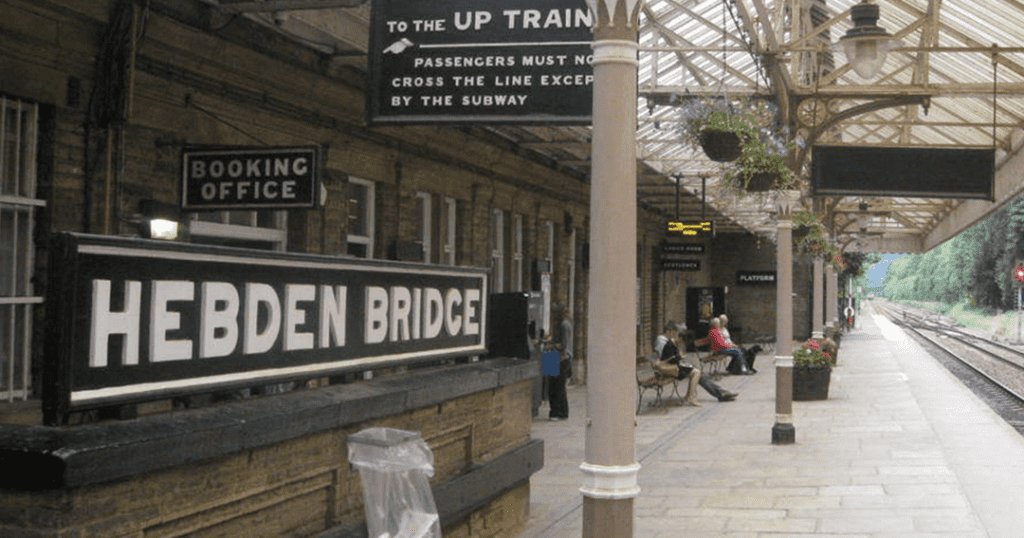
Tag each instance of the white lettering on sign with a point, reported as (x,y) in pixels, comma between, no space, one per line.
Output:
(106,323)
(163,321)
(554,18)
(253,318)
(249,168)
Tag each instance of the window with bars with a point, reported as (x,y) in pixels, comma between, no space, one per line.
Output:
(361,215)
(517,253)
(424,221)
(19,124)
(447,231)
(498,250)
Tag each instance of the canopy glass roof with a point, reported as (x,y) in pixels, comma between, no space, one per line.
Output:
(956,81)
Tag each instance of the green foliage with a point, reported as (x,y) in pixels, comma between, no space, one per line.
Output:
(974,269)
(764,150)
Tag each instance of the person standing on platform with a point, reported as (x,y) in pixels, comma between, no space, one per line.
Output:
(563,343)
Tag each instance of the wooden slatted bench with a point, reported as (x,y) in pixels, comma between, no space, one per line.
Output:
(648,378)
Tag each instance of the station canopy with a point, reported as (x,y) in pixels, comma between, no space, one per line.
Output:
(955,80)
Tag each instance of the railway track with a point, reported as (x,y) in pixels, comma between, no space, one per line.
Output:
(994,371)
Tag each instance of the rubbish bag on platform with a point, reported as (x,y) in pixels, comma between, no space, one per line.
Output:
(394,466)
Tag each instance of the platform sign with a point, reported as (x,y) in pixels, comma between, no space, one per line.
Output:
(480,61)
(755,277)
(249,178)
(133,320)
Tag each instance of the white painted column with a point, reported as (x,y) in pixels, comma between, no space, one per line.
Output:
(783,432)
(610,468)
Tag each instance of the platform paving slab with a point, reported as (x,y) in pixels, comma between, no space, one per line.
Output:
(900,449)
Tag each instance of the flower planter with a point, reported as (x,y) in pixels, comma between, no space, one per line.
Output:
(721,146)
(810,383)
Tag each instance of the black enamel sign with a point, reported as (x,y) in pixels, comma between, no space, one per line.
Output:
(134,320)
(249,178)
(494,61)
(903,171)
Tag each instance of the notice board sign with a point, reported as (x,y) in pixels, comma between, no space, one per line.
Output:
(133,320)
(249,178)
(903,171)
(486,61)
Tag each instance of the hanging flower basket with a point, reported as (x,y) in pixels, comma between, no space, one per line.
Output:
(720,146)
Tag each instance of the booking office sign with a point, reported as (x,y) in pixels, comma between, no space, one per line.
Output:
(493,61)
(133,320)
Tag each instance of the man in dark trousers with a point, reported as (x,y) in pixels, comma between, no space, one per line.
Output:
(562,342)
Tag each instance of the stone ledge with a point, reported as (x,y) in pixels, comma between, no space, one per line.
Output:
(40,457)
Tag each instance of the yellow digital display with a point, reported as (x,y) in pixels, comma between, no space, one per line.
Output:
(692,228)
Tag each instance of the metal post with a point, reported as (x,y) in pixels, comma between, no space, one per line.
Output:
(1018,316)
(610,469)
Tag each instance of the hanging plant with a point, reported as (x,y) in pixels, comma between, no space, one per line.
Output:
(720,127)
(762,166)
(815,240)
(746,133)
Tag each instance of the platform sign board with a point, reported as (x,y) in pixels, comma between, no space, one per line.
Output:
(670,249)
(680,265)
(755,277)
(133,320)
(217,178)
(480,61)
(903,171)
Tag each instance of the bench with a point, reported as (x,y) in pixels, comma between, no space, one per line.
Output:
(649,378)
(712,364)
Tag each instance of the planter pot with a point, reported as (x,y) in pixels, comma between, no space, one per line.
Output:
(810,383)
(721,146)
(761,182)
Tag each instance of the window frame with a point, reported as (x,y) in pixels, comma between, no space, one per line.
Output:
(369,216)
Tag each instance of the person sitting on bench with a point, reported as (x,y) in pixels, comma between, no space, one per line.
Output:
(718,342)
(672,330)
(744,366)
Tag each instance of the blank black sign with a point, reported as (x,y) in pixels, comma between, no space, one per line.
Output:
(902,171)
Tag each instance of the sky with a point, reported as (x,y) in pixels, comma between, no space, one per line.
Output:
(876,274)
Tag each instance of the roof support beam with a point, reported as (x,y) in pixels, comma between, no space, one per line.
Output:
(249,6)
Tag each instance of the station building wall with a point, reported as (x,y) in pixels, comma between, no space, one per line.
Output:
(109,137)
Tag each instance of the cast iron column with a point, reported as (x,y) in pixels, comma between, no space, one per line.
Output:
(817,316)
(610,468)
(783,432)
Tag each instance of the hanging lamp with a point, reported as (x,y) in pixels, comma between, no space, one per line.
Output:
(866,44)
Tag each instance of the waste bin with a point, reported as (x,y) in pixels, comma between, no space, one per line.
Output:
(394,466)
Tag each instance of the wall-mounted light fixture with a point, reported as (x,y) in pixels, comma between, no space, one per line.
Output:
(867,44)
(160,220)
